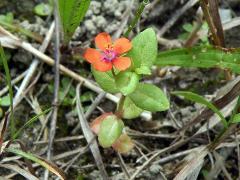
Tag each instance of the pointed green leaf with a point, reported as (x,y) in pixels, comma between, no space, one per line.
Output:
(150,98)
(201,57)
(110,130)
(72,12)
(5,100)
(130,110)
(105,80)
(144,50)
(43,9)
(127,82)
(199,99)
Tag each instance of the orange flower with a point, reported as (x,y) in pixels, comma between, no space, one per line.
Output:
(109,54)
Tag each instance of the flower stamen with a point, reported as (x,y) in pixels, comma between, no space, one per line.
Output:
(109,55)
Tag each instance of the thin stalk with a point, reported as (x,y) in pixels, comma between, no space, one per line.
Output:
(8,80)
(137,17)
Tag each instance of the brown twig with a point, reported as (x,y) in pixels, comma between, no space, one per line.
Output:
(90,110)
(89,136)
(56,86)
(175,17)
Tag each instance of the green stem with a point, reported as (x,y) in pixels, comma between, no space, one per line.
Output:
(137,17)
(8,80)
(119,110)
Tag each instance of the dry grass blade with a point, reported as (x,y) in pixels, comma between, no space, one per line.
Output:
(19,170)
(90,137)
(192,167)
(46,164)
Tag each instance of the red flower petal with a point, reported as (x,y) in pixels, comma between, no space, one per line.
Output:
(122,63)
(102,66)
(122,45)
(103,40)
(92,55)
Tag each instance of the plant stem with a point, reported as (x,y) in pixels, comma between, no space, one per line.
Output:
(137,17)
(119,110)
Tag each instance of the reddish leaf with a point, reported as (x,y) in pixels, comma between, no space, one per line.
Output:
(123,144)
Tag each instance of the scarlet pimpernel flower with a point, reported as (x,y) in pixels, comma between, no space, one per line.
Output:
(110,53)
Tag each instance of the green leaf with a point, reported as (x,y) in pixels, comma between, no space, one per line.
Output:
(150,98)
(44,163)
(105,81)
(143,70)
(201,57)
(8,18)
(110,130)
(72,13)
(43,9)
(127,82)
(188,27)
(199,99)
(236,118)
(144,49)
(5,100)
(130,110)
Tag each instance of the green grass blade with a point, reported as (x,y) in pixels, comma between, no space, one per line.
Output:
(51,167)
(28,123)
(201,100)
(72,13)
(8,79)
(201,57)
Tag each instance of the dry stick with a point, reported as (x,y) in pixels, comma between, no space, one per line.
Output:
(213,8)
(210,10)
(56,87)
(89,136)
(90,110)
(175,17)
(167,149)
(13,82)
(211,20)
(32,69)
(123,165)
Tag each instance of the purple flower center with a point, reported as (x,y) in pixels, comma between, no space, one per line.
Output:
(109,55)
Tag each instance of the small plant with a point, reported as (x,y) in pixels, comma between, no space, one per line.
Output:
(118,67)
